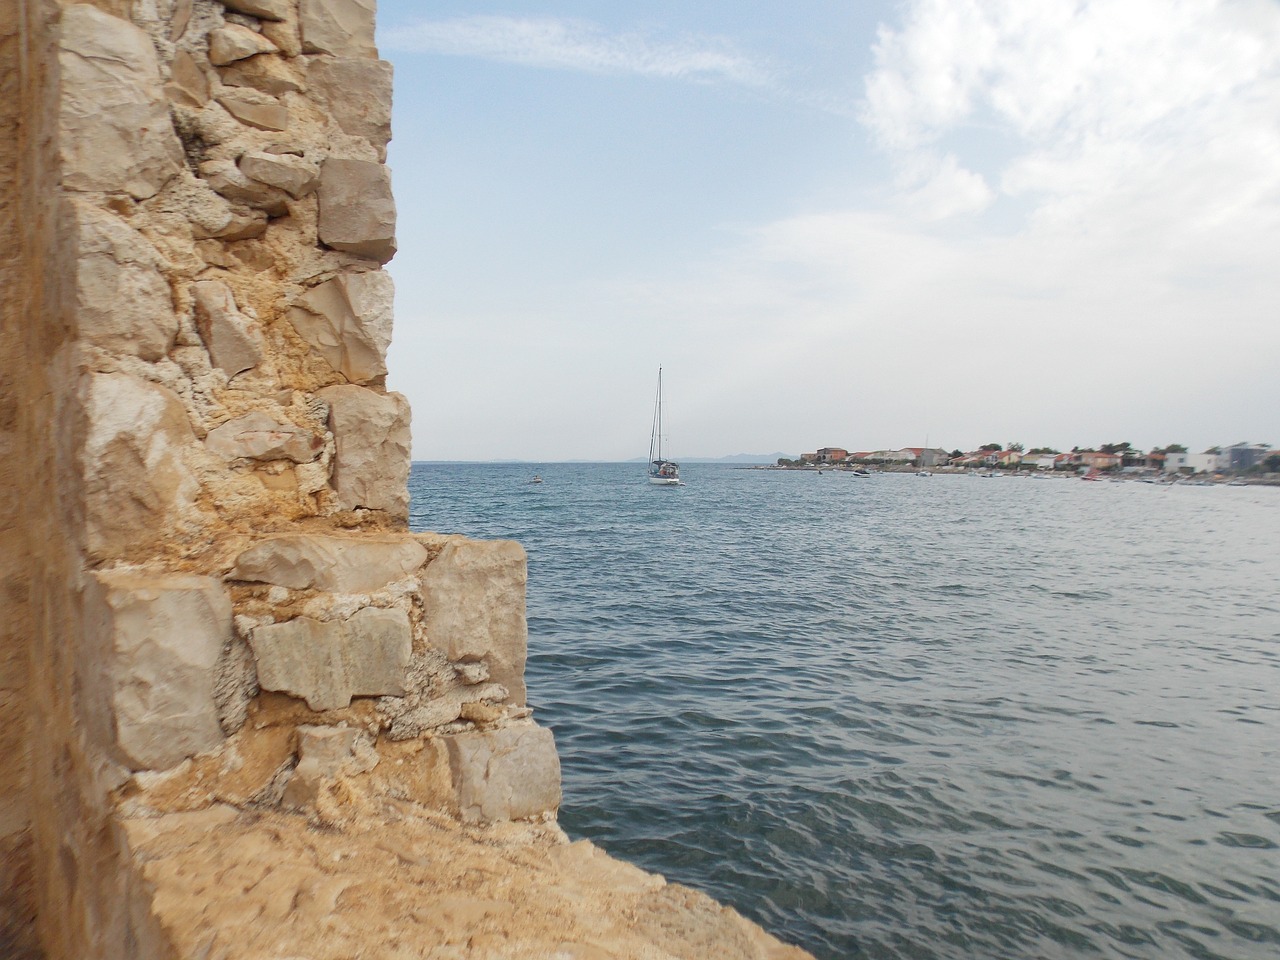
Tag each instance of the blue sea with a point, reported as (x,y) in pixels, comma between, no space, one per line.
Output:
(912,717)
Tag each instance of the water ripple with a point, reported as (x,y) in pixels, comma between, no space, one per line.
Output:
(912,718)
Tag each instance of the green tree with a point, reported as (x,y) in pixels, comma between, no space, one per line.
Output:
(990,446)
(1015,446)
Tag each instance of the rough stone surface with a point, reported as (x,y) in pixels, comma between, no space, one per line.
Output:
(341,27)
(473,594)
(161,636)
(259,113)
(234,42)
(123,302)
(232,339)
(268,74)
(327,663)
(347,320)
(227,179)
(323,753)
(357,211)
(357,94)
(371,460)
(115,133)
(259,436)
(330,563)
(139,488)
(505,774)
(265,9)
(187,83)
(294,175)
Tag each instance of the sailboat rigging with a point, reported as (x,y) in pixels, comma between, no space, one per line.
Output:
(662,472)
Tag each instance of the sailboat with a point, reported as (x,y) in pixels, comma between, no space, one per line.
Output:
(662,472)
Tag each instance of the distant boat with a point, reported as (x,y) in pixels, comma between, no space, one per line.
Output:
(535,479)
(662,472)
(862,473)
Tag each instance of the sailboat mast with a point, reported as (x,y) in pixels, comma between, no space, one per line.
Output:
(659,413)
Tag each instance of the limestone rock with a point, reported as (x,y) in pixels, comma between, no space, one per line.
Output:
(259,436)
(343,28)
(115,132)
(357,211)
(333,564)
(228,180)
(234,42)
(139,488)
(347,320)
(294,175)
(265,9)
(161,637)
(505,774)
(122,300)
(232,339)
(187,83)
(268,74)
(473,596)
(323,752)
(371,461)
(327,663)
(357,94)
(264,113)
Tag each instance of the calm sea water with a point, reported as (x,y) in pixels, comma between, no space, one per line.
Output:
(912,717)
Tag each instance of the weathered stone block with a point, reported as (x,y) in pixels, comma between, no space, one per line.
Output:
(139,488)
(160,636)
(262,113)
(259,436)
(371,438)
(332,564)
(229,181)
(343,28)
(347,320)
(187,83)
(232,339)
(473,596)
(268,74)
(233,42)
(323,752)
(505,774)
(294,175)
(123,303)
(114,127)
(326,663)
(266,9)
(357,210)
(357,94)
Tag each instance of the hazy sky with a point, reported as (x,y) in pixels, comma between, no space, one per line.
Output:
(835,223)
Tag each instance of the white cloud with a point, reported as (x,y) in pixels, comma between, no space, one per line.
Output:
(1166,109)
(565,44)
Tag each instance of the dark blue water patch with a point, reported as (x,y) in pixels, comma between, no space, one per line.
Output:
(893,718)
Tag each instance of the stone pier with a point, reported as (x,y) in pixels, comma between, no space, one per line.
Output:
(244,712)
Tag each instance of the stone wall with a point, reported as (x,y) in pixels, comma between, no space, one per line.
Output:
(223,644)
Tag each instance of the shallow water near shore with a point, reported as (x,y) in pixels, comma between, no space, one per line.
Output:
(941,717)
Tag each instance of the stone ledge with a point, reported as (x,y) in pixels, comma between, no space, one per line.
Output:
(403,884)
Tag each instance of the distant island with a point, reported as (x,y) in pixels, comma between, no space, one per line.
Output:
(1238,458)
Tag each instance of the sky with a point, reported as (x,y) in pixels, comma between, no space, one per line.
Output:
(847,223)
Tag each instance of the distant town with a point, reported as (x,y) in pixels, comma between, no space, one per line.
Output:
(1239,459)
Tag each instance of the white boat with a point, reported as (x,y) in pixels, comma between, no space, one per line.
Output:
(662,472)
